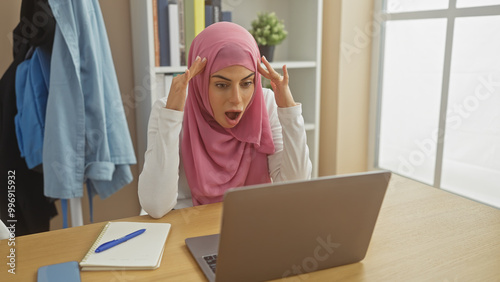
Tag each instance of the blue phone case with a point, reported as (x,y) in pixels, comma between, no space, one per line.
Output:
(66,271)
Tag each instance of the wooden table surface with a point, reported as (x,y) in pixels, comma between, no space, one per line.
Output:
(422,234)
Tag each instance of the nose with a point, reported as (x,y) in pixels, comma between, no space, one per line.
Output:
(235,95)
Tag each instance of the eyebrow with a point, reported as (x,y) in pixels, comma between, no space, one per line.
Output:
(225,78)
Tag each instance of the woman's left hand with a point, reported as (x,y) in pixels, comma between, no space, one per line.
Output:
(279,84)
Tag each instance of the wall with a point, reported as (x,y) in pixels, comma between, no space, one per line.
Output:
(117,20)
(329,87)
(345,88)
(9,17)
(347,30)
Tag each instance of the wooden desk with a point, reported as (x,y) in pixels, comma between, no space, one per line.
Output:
(422,234)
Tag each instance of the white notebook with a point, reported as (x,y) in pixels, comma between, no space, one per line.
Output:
(141,252)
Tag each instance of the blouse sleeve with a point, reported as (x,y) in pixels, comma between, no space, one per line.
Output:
(290,160)
(158,181)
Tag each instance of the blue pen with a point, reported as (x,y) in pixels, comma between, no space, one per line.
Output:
(113,243)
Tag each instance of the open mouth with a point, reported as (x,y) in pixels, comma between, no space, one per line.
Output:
(233,115)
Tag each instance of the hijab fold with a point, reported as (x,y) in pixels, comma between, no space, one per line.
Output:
(216,158)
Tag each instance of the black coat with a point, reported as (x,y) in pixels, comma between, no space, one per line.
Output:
(31,210)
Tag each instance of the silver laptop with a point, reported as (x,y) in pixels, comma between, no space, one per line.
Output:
(285,229)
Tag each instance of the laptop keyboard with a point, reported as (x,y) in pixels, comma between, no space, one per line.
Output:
(211,261)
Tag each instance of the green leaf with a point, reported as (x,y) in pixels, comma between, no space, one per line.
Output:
(267,29)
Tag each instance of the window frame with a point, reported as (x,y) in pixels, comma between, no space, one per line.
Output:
(381,16)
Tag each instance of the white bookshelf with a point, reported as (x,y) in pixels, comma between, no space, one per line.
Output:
(301,52)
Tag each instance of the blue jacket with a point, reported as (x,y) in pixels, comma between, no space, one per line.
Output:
(86,133)
(32,83)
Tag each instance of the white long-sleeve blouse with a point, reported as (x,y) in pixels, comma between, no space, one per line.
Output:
(162,182)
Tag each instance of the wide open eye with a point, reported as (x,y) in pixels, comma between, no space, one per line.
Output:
(221,85)
(247,83)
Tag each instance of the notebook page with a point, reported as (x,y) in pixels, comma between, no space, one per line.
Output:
(141,252)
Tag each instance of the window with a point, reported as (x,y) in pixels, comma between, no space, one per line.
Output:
(437,89)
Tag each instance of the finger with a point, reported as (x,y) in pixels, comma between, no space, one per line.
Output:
(273,86)
(187,76)
(189,72)
(197,66)
(268,65)
(195,62)
(200,63)
(262,70)
(285,74)
(273,75)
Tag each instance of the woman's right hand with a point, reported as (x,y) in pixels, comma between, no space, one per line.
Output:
(177,94)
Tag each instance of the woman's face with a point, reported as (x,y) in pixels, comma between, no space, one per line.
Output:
(230,90)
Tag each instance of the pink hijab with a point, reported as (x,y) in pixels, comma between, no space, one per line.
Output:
(216,159)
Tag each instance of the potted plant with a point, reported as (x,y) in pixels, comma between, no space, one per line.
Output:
(268,31)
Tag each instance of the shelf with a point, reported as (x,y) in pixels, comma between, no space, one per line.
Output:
(309,126)
(300,52)
(275,65)
(294,64)
(169,69)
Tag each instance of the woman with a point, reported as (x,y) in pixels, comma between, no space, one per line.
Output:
(229,131)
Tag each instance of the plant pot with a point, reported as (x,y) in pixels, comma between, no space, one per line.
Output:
(267,51)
